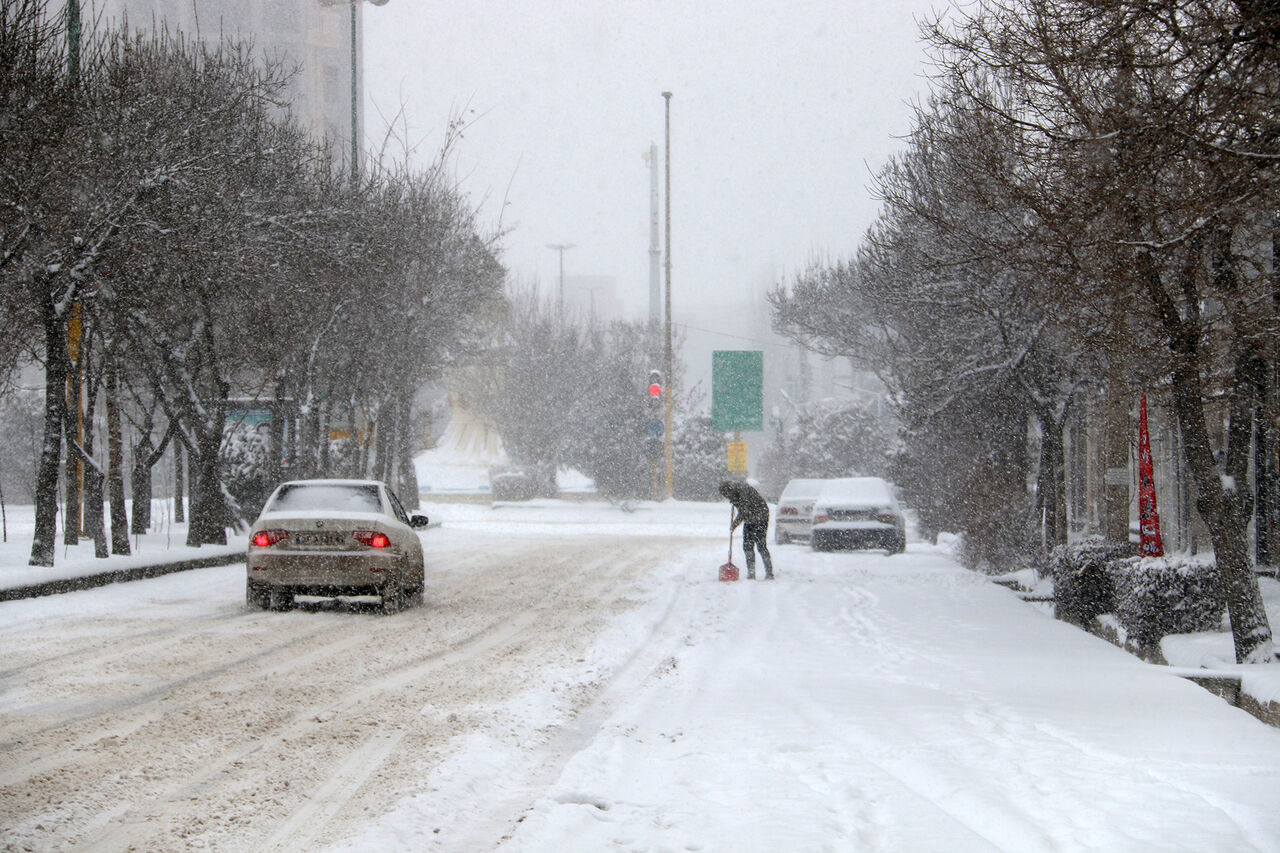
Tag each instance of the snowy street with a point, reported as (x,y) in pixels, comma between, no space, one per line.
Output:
(579,680)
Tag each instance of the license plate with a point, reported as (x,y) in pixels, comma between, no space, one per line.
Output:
(319,538)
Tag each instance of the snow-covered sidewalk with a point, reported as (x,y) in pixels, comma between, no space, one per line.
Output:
(861,702)
(164,543)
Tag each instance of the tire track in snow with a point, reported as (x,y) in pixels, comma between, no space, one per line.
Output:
(238,751)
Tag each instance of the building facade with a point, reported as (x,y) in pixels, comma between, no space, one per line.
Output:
(313,36)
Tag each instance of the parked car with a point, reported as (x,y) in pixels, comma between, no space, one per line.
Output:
(332,538)
(858,512)
(795,510)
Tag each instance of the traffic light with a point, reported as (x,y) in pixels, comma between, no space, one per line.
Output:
(654,430)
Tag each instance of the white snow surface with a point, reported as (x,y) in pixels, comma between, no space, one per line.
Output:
(861,702)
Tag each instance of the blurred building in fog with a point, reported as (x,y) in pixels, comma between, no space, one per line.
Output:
(312,35)
(594,296)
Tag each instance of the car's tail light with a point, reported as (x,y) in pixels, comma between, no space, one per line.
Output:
(372,538)
(820,516)
(788,510)
(886,516)
(267,538)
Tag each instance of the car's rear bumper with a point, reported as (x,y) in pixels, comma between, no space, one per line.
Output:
(798,527)
(320,573)
(856,535)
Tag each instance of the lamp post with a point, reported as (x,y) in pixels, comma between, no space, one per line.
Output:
(561,248)
(668,450)
(355,84)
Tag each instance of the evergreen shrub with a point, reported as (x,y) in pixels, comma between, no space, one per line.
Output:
(1174,594)
(1083,586)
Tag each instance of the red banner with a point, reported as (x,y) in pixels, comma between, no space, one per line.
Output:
(1148,519)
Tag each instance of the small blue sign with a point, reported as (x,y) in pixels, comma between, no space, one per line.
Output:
(654,428)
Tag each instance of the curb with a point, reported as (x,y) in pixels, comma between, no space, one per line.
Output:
(116,576)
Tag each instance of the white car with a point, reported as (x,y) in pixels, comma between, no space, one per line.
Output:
(331,538)
(858,512)
(795,510)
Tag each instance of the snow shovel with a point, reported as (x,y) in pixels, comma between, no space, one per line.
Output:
(729,572)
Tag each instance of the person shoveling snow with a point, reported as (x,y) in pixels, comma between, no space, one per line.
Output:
(752,513)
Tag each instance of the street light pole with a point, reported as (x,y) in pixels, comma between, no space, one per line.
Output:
(355,84)
(355,104)
(561,248)
(668,450)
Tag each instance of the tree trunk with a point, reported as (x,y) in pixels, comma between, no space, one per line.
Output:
(1051,481)
(208,510)
(140,485)
(382,434)
(179,484)
(1266,476)
(55,402)
(1222,508)
(145,457)
(408,476)
(72,475)
(95,526)
(115,467)
(326,463)
(275,442)
(1116,457)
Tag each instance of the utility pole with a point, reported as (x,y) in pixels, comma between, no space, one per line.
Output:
(668,454)
(1116,452)
(655,250)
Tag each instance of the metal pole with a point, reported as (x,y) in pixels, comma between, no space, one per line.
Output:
(668,454)
(561,247)
(655,250)
(73,42)
(355,95)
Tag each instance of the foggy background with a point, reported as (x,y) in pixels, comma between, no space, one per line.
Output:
(780,112)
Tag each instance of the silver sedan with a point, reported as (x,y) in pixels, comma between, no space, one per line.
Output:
(332,538)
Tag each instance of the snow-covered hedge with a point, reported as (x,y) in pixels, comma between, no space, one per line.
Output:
(1083,587)
(1174,594)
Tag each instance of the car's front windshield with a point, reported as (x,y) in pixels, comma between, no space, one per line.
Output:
(338,497)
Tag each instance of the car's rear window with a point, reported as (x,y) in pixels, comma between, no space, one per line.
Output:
(864,491)
(798,490)
(336,497)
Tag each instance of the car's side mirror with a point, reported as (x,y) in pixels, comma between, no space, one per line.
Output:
(419,521)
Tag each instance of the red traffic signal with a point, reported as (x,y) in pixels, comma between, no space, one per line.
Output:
(655,390)
(655,384)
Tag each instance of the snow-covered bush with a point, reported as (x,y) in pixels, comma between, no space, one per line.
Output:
(1083,584)
(244,474)
(1174,594)
(701,460)
(508,484)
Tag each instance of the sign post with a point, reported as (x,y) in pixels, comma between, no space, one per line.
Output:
(737,455)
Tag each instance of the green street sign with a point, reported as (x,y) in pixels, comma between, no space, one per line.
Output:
(737,390)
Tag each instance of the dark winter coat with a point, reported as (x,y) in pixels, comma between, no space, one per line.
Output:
(749,506)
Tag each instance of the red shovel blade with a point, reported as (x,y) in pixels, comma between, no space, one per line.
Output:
(728,572)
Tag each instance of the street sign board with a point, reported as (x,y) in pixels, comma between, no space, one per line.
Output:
(738,457)
(737,390)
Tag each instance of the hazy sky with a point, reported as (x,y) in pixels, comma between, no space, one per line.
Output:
(780,111)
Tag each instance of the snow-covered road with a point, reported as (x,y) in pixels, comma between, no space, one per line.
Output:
(580,681)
